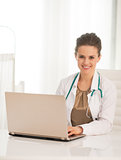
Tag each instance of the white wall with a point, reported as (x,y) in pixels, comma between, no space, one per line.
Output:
(24,17)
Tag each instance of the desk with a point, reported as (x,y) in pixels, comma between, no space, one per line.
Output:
(105,147)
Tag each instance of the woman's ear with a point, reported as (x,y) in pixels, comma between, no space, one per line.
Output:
(76,56)
(99,58)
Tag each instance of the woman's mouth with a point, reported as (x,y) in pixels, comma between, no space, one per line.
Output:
(86,67)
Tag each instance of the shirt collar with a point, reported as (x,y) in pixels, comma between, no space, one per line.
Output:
(94,85)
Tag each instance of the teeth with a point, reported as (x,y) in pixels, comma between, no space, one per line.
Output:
(86,67)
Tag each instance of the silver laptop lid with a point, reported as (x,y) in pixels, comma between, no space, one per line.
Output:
(36,115)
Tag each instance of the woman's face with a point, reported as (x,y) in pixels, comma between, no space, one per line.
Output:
(87,58)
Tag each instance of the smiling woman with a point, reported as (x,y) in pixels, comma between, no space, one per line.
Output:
(90,97)
(87,58)
(87,52)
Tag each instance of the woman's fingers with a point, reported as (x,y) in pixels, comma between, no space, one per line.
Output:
(70,129)
(70,134)
(74,130)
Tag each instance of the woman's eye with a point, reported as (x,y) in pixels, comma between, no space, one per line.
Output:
(91,57)
(81,56)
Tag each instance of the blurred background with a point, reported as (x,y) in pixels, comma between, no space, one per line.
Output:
(42,35)
(38,38)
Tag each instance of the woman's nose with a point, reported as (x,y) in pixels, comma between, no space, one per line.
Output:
(86,61)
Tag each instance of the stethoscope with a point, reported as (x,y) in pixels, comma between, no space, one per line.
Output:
(101,94)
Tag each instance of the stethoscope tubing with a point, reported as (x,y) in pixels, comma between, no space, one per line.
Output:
(92,90)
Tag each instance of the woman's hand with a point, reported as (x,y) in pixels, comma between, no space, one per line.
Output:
(74,130)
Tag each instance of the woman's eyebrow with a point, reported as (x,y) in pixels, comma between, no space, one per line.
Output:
(81,54)
(84,55)
(92,56)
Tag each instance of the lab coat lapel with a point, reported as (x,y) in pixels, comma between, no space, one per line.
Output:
(74,88)
(94,85)
(93,101)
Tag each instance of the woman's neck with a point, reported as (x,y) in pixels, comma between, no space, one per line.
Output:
(85,81)
(86,77)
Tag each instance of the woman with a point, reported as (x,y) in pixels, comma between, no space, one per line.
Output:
(90,97)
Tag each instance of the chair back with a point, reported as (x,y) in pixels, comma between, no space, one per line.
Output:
(115,76)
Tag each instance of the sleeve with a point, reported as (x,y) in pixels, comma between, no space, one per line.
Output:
(60,89)
(104,122)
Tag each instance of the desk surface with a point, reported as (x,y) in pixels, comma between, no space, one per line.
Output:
(104,147)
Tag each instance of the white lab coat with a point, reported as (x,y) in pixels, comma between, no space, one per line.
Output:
(102,109)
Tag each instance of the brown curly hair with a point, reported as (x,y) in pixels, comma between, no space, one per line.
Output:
(90,39)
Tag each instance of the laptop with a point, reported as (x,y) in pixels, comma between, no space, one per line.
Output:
(37,115)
